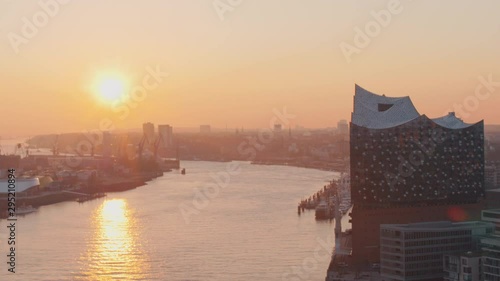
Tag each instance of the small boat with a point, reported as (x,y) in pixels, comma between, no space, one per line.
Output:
(183,171)
(323,211)
(23,210)
(90,197)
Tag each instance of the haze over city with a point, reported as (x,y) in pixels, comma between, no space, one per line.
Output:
(232,68)
(231,140)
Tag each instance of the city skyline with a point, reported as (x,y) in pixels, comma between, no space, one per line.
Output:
(234,67)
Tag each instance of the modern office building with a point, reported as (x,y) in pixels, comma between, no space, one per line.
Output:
(490,246)
(492,216)
(407,168)
(415,251)
(481,265)
(148,130)
(463,267)
(492,175)
(343,127)
(166,134)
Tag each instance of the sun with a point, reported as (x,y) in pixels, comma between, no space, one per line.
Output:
(111,89)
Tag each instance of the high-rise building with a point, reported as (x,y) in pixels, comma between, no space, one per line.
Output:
(148,130)
(407,168)
(480,264)
(490,247)
(166,135)
(106,144)
(492,174)
(463,267)
(342,127)
(205,129)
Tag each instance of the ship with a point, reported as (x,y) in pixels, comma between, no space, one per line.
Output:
(324,211)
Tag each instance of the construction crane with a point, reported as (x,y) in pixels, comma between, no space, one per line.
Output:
(157,143)
(122,150)
(140,147)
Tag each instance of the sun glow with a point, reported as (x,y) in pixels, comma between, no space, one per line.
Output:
(115,251)
(110,88)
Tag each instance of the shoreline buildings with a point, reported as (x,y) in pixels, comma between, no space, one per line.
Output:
(415,251)
(408,168)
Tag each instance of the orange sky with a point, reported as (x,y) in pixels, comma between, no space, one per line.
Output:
(262,55)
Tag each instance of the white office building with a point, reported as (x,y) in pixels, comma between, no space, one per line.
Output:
(415,251)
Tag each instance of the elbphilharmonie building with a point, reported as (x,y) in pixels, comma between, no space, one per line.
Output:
(406,167)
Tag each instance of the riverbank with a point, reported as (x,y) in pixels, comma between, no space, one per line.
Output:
(107,185)
(145,226)
(318,165)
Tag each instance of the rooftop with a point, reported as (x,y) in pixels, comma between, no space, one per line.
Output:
(380,112)
(437,226)
(21,184)
(494,211)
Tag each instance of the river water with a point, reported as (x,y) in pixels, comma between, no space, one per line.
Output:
(175,228)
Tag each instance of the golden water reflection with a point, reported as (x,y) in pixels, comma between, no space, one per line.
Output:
(114,251)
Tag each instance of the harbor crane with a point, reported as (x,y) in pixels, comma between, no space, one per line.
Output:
(140,147)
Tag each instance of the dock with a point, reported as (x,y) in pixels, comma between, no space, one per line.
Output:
(341,266)
(313,201)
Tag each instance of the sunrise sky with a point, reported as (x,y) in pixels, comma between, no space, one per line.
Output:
(234,68)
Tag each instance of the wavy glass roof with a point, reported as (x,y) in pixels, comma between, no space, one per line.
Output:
(451,121)
(380,112)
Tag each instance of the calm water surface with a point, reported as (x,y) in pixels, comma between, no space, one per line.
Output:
(249,231)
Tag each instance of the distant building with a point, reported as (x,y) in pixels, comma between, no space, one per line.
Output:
(490,245)
(343,127)
(407,168)
(492,174)
(166,134)
(492,216)
(483,264)
(278,128)
(415,251)
(205,129)
(106,144)
(463,267)
(148,130)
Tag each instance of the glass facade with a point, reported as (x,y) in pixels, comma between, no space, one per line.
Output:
(417,162)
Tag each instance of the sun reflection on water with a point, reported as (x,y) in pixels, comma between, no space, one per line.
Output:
(114,251)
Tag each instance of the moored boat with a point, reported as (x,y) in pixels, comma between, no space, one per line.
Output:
(324,211)
(23,210)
